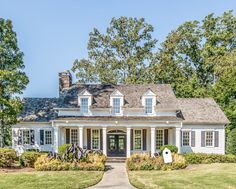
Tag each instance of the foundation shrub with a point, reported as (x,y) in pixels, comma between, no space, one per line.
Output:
(200,158)
(144,162)
(172,148)
(7,157)
(28,158)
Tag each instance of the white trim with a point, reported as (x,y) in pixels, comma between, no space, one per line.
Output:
(98,139)
(141,139)
(213,138)
(190,137)
(44,131)
(163,137)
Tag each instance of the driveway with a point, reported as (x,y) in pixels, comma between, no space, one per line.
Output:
(115,177)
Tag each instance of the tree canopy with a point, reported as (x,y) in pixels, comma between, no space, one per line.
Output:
(12,78)
(121,55)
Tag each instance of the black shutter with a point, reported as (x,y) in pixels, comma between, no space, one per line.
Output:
(203,138)
(144,139)
(67,136)
(165,136)
(193,138)
(89,139)
(41,137)
(131,139)
(20,133)
(216,138)
(32,137)
(101,140)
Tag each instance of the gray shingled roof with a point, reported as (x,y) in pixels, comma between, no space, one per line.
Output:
(132,95)
(38,109)
(193,110)
(201,110)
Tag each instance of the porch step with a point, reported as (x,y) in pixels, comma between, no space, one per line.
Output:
(116,159)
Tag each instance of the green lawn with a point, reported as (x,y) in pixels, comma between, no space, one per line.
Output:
(49,180)
(198,176)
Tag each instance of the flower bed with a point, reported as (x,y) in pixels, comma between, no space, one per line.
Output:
(73,158)
(145,162)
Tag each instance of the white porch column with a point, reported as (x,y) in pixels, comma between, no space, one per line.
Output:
(104,140)
(81,145)
(56,138)
(153,149)
(178,138)
(128,142)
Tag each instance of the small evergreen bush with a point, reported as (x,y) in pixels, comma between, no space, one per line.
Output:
(7,157)
(28,158)
(172,148)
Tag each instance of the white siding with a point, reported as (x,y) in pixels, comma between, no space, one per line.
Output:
(198,148)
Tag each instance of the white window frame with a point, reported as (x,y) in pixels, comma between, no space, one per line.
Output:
(213,139)
(23,138)
(145,106)
(85,94)
(163,138)
(71,135)
(189,142)
(46,130)
(141,139)
(82,108)
(114,107)
(98,139)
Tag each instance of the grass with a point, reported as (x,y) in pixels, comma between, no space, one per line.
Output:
(49,180)
(204,176)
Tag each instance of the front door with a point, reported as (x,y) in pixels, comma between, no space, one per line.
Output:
(116,145)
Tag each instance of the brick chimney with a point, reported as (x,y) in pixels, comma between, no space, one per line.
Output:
(65,80)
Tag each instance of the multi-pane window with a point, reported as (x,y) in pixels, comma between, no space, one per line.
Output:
(159,138)
(186,138)
(148,105)
(74,136)
(84,105)
(116,106)
(209,138)
(137,139)
(48,137)
(26,137)
(95,139)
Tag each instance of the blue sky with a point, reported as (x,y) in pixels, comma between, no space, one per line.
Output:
(52,34)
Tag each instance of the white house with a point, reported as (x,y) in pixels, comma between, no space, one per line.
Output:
(120,120)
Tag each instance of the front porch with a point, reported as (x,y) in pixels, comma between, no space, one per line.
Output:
(118,141)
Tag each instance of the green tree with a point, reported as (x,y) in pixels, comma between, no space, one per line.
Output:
(12,78)
(189,55)
(121,55)
(231,142)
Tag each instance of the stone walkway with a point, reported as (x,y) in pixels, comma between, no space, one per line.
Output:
(115,178)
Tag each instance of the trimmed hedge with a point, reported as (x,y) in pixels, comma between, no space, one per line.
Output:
(172,148)
(7,157)
(200,158)
(28,158)
(145,162)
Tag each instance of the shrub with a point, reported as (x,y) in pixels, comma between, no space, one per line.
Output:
(28,158)
(62,148)
(44,163)
(199,158)
(231,142)
(172,148)
(144,162)
(7,157)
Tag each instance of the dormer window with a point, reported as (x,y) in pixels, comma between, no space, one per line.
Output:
(84,105)
(148,105)
(84,102)
(116,108)
(149,102)
(116,102)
